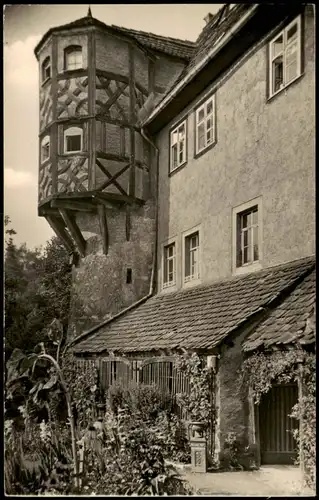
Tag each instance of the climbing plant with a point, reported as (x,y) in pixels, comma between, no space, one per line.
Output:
(197,401)
(261,370)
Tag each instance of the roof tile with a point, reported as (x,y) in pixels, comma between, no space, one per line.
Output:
(288,322)
(202,316)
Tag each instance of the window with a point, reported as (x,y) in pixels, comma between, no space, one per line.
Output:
(191,257)
(247,230)
(128,275)
(45,148)
(285,57)
(73,140)
(73,57)
(178,146)
(205,125)
(46,69)
(247,223)
(169,265)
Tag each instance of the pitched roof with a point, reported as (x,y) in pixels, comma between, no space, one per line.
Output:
(293,321)
(220,23)
(212,33)
(195,318)
(183,49)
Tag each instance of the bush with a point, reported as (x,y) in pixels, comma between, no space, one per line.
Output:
(148,401)
(130,460)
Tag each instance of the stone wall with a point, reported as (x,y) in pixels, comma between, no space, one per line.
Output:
(99,288)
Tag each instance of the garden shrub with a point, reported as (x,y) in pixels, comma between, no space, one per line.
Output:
(146,400)
(130,460)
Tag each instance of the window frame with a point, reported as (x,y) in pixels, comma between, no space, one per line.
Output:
(66,134)
(68,51)
(203,105)
(165,246)
(173,130)
(237,236)
(283,33)
(46,64)
(42,145)
(189,280)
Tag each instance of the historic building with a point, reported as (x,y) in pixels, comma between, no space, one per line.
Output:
(181,177)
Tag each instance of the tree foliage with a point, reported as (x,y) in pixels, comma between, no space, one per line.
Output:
(37,292)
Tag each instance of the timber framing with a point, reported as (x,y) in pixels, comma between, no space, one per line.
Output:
(120,78)
(112,178)
(80,206)
(74,230)
(58,227)
(103,228)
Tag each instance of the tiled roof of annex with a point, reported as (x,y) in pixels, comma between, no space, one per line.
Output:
(195,318)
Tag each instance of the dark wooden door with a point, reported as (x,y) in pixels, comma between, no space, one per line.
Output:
(277,445)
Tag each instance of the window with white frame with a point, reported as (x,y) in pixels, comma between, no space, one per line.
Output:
(45,148)
(205,125)
(247,237)
(169,265)
(285,57)
(191,257)
(73,138)
(73,57)
(178,146)
(46,69)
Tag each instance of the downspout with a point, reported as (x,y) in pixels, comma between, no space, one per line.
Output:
(153,275)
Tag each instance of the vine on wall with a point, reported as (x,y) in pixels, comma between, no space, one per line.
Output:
(262,370)
(197,401)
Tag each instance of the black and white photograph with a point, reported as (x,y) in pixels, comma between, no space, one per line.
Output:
(159,250)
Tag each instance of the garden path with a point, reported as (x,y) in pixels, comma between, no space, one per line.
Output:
(268,481)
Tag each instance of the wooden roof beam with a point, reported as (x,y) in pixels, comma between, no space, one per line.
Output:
(80,206)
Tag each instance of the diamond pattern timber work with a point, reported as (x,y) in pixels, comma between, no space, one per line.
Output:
(45,107)
(45,181)
(112,98)
(73,175)
(73,97)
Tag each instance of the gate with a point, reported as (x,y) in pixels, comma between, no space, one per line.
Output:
(277,445)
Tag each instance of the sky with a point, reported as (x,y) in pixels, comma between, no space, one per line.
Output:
(24,26)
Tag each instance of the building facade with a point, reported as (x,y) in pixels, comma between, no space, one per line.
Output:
(181,178)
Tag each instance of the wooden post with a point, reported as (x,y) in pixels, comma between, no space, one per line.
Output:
(74,231)
(103,228)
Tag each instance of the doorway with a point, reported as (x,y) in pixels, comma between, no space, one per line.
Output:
(277,444)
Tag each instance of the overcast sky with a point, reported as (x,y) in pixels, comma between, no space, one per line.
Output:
(24,25)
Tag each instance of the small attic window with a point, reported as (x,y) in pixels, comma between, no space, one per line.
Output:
(73,58)
(46,69)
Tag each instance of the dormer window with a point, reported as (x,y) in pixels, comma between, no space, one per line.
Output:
(45,148)
(46,69)
(73,139)
(73,58)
